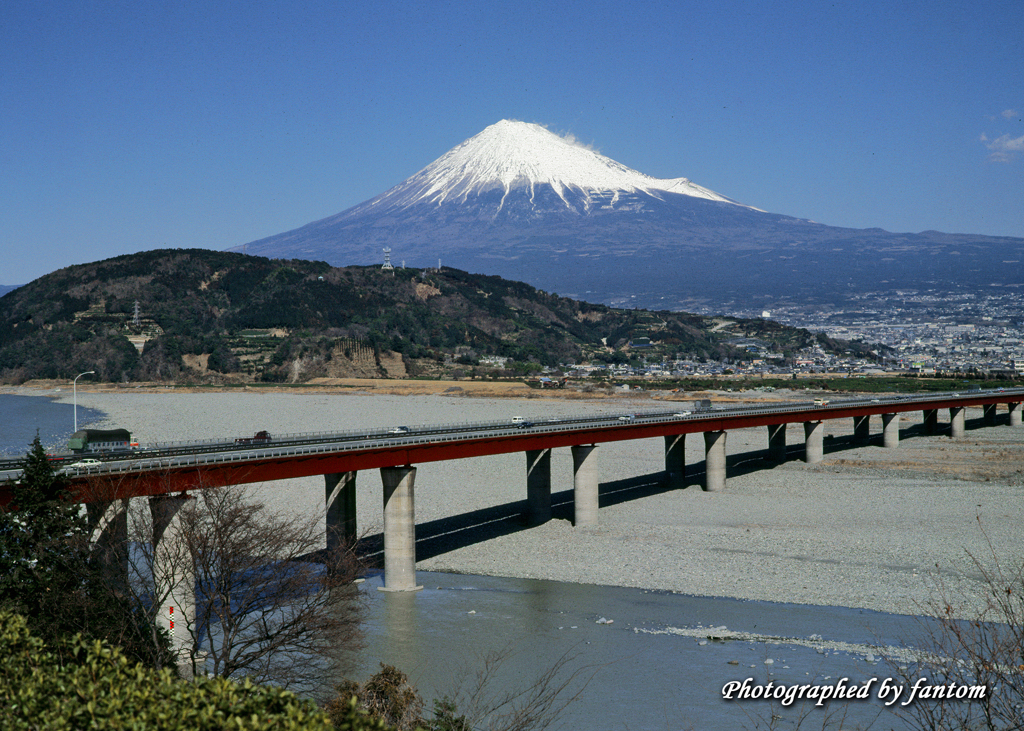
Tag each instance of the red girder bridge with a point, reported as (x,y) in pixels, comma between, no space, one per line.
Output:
(166,474)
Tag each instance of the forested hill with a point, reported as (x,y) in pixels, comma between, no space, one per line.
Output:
(195,314)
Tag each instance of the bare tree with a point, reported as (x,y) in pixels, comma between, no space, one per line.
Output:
(251,592)
(488,700)
(985,650)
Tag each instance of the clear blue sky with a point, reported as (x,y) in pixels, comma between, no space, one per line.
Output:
(127,126)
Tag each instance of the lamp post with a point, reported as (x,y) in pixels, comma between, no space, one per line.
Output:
(75,389)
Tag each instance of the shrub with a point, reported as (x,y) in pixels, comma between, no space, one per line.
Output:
(386,696)
(97,687)
(392,703)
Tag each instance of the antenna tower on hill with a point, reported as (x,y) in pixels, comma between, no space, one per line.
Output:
(387,259)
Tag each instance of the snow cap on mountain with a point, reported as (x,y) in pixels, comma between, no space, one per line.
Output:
(512,155)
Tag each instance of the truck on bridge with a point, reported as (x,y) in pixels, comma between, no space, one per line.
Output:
(101,440)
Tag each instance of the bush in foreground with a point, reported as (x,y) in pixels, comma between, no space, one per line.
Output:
(389,699)
(97,687)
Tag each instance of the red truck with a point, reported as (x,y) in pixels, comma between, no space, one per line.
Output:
(260,437)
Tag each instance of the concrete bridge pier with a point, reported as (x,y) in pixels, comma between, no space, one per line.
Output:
(957,423)
(777,442)
(399,529)
(814,445)
(538,486)
(1014,409)
(675,459)
(108,538)
(891,430)
(862,429)
(174,578)
(585,485)
(340,493)
(714,460)
(989,414)
(931,421)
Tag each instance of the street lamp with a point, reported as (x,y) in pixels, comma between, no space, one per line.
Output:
(75,389)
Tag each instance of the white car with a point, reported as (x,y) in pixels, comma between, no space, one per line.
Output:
(398,430)
(87,462)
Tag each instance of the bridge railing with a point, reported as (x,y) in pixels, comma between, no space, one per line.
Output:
(292,444)
(343,435)
(362,442)
(334,442)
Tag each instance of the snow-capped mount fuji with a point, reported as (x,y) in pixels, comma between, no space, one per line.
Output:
(518,158)
(521,202)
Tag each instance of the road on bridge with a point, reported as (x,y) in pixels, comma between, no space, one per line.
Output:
(175,467)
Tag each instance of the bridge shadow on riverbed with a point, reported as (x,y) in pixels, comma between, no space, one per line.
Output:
(437,537)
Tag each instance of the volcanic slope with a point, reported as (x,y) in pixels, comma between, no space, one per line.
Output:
(521,202)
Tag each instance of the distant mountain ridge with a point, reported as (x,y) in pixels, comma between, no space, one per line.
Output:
(521,202)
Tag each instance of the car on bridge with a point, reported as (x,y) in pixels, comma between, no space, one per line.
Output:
(260,437)
(398,430)
(84,464)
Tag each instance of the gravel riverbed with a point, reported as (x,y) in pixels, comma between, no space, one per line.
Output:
(868,527)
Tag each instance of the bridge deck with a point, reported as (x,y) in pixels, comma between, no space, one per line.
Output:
(225,462)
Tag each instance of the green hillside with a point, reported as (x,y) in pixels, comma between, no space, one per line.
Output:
(207,316)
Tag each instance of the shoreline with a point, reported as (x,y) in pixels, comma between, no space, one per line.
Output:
(411,387)
(865,528)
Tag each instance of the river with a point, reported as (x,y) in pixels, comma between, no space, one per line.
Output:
(21,417)
(655,661)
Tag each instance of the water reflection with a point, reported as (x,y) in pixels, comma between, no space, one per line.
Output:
(401,626)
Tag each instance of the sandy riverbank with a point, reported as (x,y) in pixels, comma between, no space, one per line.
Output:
(868,527)
(399,387)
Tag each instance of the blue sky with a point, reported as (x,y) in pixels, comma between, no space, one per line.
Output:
(127,126)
